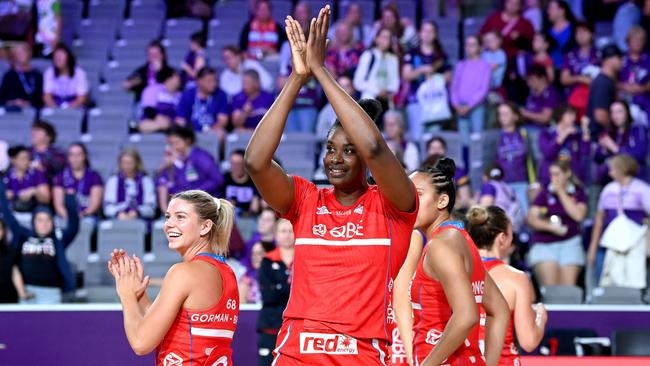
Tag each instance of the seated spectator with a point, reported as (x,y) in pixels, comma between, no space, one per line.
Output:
(624,137)
(436,147)
(361,33)
(49,26)
(540,56)
(195,59)
(26,187)
(404,35)
(565,141)
(65,84)
(249,290)
(394,132)
(262,36)
(560,30)
(80,179)
(630,195)
(130,194)
(497,192)
(249,106)
(205,106)
(186,166)
(495,56)
(514,152)
(510,25)
(602,91)
(557,254)
(239,188)
(22,86)
(160,101)
(327,116)
(145,75)
(46,157)
(41,252)
(344,52)
(236,65)
(469,89)
(12,285)
(274,279)
(543,98)
(264,232)
(580,67)
(377,75)
(634,79)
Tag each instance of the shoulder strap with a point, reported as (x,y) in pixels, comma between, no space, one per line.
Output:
(370,64)
(530,164)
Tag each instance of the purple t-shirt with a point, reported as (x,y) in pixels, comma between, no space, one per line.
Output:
(81,187)
(550,205)
(633,143)
(549,98)
(574,149)
(202,113)
(158,97)
(512,151)
(260,104)
(637,72)
(575,62)
(197,171)
(634,199)
(32,178)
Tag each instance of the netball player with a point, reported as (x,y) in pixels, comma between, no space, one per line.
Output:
(351,238)
(449,283)
(491,231)
(193,319)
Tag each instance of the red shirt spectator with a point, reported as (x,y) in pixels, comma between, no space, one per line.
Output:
(511,25)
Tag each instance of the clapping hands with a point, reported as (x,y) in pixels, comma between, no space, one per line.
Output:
(128,273)
(308,54)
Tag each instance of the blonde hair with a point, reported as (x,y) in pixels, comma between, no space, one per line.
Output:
(221,212)
(626,164)
(135,155)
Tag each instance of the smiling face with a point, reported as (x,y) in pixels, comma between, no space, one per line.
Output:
(43,224)
(343,167)
(183,227)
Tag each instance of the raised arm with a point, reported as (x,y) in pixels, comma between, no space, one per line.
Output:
(274,185)
(401,298)
(364,134)
(72,227)
(497,317)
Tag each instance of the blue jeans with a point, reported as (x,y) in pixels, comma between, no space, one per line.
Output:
(43,295)
(472,123)
(302,120)
(521,192)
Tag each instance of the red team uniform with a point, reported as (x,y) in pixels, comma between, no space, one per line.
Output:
(509,353)
(432,311)
(346,259)
(204,337)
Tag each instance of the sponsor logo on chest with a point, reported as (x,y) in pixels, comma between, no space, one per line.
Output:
(331,344)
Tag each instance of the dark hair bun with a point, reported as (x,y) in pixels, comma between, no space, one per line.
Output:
(477,215)
(372,107)
(447,167)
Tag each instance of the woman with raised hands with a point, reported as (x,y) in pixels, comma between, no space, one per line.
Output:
(351,238)
(193,318)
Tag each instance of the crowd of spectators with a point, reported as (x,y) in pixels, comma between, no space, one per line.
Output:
(570,118)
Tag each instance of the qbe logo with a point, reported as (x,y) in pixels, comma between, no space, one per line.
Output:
(331,344)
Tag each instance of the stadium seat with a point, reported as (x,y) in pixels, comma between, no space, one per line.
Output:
(616,296)
(103,152)
(151,148)
(66,121)
(235,141)
(482,150)
(128,235)
(210,143)
(96,274)
(631,343)
(101,294)
(297,153)
(562,294)
(15,127)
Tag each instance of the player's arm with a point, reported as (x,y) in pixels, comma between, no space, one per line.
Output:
(446,261)
(274,185)
(145,330)
(496,322)
(529,326)
(364,134)
(401,298)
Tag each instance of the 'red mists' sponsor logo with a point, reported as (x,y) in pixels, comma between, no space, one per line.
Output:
(331,344)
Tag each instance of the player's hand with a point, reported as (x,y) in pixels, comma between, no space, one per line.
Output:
(118,255)
(317,41)
(127,282)
(298,45)
(541,316)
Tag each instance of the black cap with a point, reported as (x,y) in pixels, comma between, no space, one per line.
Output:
(611,50)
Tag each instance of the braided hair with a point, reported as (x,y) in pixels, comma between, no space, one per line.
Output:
(442,171)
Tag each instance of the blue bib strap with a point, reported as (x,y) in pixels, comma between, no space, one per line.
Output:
(219,258)
(456,224)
